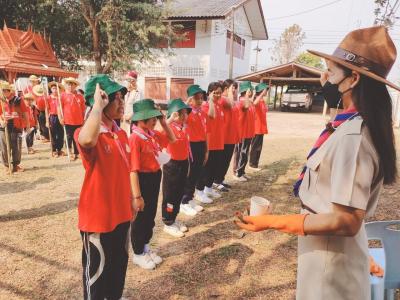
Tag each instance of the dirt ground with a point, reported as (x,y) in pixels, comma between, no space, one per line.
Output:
(40,246)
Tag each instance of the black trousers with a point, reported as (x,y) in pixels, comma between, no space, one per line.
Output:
(30,137)
(104,262)
(70,129)
(196,168)
(142,227)
(255,150)
(173,186)
(15,140)
(224,163)
(57,133)
(241,156)
(210,169)
(44,131)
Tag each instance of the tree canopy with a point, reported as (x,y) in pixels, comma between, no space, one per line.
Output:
(112,33)
(310,60)
(287,47)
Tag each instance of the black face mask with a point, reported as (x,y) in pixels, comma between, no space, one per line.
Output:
(332,95)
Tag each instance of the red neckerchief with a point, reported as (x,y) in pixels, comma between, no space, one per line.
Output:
(121,149)
(181,127)
(148,136)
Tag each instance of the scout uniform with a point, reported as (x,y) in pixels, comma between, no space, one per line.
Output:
(231,138)
(247,129)
(175,171)
(215,139)
(41,105)
(57,130)
(145,149)
(260,128)
(131,97)
(15,111)
(73,107)
(33,117)
(197,132)
(104,206)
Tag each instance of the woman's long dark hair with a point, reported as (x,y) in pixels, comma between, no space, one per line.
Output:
(373,102)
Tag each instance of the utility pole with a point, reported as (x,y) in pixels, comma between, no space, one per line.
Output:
(232,41)
(258,50)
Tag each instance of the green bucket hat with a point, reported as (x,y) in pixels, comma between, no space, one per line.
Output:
(175,105)
(261,86)
(106,83)
(145,109)
(193,90)
(244,86)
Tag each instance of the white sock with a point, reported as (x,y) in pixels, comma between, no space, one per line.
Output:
(208,190)
(146,248)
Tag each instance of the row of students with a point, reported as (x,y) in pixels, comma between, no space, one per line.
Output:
(184,152)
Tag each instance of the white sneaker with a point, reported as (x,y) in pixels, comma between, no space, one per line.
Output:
(202,198)
(188,210)
(182,227)
(246,176)
(254,168)
(153,255)
(195,206)
(144,261)
(173,230)
(240,178)
(211,193)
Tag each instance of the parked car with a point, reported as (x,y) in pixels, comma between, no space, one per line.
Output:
(296,99)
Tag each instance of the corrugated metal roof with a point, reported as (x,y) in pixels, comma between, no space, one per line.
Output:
(202,9)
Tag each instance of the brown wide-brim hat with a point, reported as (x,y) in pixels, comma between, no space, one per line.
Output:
(369,51)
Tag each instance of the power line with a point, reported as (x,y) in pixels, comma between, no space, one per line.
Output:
(304,11)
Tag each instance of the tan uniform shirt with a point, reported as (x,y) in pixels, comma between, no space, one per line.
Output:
(345,170)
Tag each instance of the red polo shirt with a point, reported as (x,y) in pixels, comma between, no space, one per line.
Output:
(179,150)
(261,118)
(246,120)
(73,106)
(41,103)
(144,148)
(53,105)
(105,199)
(215,127)
(15,112)
(231,122)
(196,125)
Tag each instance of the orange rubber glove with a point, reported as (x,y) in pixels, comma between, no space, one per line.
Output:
(375,269)
(285,223)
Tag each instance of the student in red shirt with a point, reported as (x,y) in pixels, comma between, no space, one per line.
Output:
(215,140)
(33,116)
(73,107)
(197,131)
(42,107)
(176,170)
(145,175)
(231,132)
(260,126)
(15,117)
(57,130)
(105,203)
(247,125)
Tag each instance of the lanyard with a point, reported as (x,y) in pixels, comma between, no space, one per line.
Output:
(147,137)
(116,141)
(180,127)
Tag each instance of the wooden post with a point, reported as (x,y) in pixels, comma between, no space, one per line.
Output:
(280,97)
(269,90)
(276,96)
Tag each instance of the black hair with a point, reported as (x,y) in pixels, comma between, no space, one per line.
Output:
(111,97)
(81,91)
(228,82)
(213,86)
(373,102)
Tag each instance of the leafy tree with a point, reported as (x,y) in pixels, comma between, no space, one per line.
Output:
(112,33)
(310,60)
(287,47)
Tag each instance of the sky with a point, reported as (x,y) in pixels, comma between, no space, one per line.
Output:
(324,27)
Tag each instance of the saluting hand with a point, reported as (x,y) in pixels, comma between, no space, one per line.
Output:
(100,98)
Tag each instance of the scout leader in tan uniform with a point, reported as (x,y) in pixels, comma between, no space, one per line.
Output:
(344,173)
